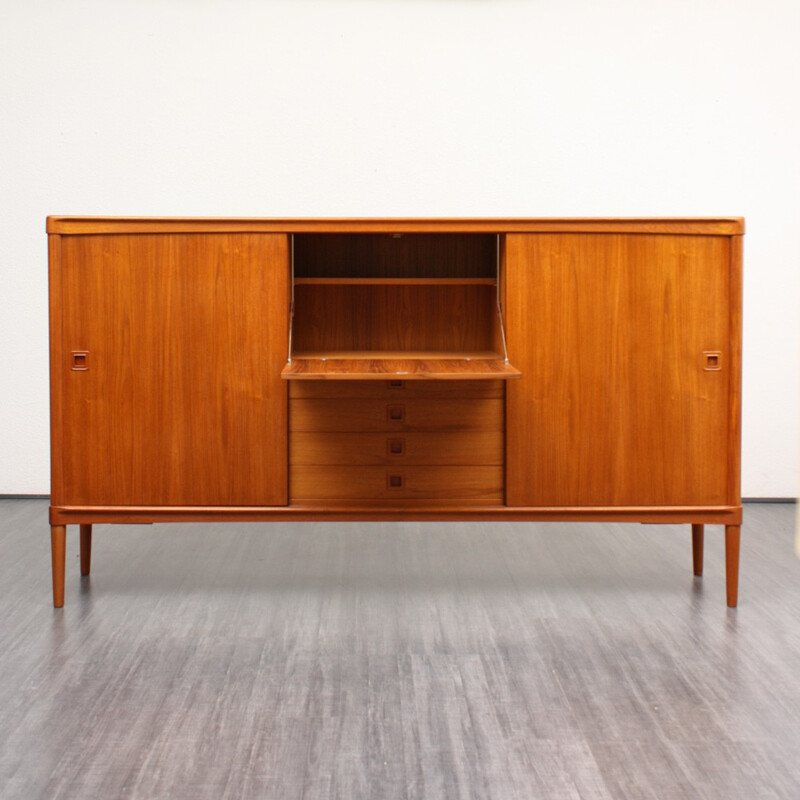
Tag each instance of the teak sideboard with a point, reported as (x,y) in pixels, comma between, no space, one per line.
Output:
(391,369)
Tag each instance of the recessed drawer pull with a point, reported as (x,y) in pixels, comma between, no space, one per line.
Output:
(394,481)
(396,384)
(396,447)
(395,413)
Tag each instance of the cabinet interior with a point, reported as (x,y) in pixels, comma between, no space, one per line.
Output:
(419,305)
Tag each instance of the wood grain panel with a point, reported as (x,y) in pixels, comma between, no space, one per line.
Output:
(364,415)
(182,401)
(615,406)
(57,372)
(393,389)
(328,447)
(735,367)
(395,318)
(458,485)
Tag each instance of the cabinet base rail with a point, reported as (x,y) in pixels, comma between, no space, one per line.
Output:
(420,511)
(730,517)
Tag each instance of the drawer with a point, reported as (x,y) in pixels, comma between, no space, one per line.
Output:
(397,389)
(454,485)
(365,414)
(463,448)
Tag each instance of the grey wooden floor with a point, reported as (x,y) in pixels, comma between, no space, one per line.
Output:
(399,661)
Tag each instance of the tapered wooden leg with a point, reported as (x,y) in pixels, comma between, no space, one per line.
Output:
(86,549)
(58,545)
(732,564)
(697,549)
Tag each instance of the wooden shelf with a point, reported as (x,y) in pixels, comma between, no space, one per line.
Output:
(380,365)
(396,281)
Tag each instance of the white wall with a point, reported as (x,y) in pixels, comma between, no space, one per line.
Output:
(403,107)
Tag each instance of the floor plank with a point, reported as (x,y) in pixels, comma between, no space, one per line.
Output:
(399,660)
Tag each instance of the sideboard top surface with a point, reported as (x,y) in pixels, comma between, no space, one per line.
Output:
(702,226)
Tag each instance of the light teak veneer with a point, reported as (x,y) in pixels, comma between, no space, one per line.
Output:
(388,369)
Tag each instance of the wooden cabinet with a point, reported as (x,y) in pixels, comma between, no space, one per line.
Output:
(395,369)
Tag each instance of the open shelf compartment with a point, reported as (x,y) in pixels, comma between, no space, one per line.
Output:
(416,307)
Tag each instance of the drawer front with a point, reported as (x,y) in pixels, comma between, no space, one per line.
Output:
(397,390)
(482,485)
(362,414)
(329,447)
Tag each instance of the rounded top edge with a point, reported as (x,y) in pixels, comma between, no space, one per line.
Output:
(63,224)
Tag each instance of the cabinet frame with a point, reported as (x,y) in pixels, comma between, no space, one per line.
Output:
(63,513)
